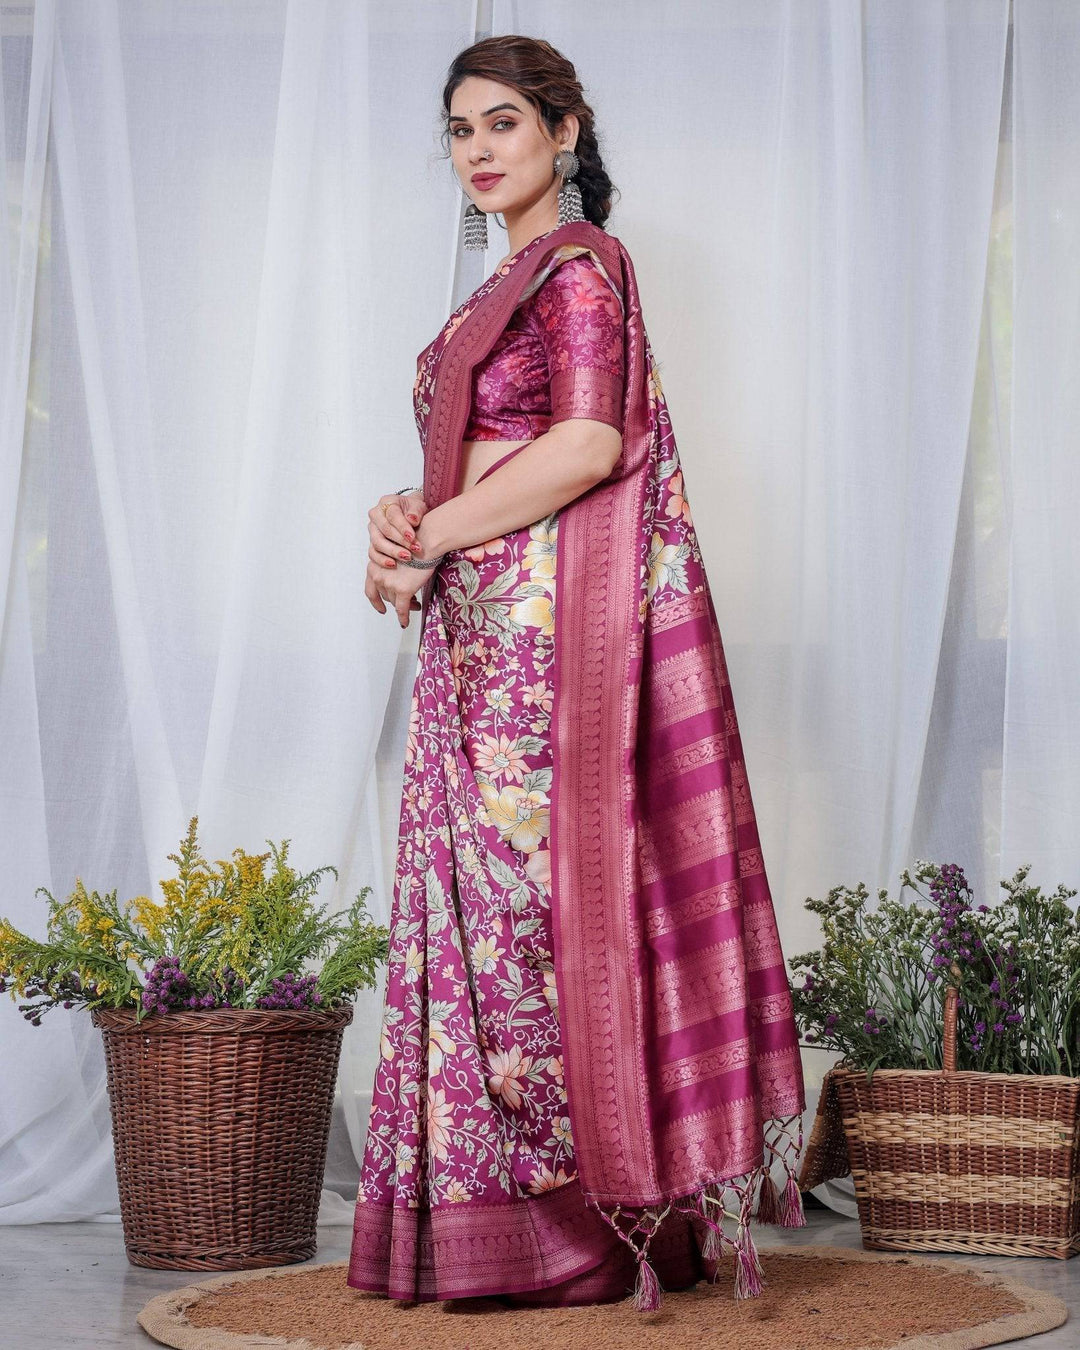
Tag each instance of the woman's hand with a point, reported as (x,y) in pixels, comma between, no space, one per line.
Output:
(391,531)
(398,585)
(392,537)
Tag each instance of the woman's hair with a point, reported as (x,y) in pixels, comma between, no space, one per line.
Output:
(548,80)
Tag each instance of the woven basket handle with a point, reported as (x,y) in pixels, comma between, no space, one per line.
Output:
(951,996)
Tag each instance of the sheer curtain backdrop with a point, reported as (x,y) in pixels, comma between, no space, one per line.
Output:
(229,232)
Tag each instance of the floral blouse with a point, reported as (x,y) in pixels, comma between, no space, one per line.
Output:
(560,356)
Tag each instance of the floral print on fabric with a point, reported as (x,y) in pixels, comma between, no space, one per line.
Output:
(469,1101)
(560,356)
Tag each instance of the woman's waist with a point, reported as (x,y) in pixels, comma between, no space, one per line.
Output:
(481,456)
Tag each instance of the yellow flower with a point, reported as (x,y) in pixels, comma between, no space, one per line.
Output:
(484,953)
(414,963)
(535,612)
(540,551)
(522,818)
(439,1043)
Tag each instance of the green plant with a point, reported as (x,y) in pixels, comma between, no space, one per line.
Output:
(236,934)
(874,992)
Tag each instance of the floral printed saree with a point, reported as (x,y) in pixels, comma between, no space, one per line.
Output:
(587,1040)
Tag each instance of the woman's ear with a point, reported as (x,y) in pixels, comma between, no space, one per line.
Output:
(568,132)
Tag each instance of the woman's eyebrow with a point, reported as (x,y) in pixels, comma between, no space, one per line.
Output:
(456,117)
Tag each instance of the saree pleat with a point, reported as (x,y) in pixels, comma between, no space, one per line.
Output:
(469,1185)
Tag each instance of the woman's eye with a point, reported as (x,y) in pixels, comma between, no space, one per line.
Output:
(502,122)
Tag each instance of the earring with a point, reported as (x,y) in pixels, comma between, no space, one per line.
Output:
(567,165)
(475,227)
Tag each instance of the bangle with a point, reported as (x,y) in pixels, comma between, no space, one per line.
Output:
(404,492)
(421,562)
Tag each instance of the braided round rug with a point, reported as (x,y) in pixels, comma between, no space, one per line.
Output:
(815,1295)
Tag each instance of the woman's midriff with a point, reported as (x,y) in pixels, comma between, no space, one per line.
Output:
(478,457)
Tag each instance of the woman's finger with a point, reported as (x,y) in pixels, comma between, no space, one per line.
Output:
(372,593)
(413,506)
(391,522)
(382,560)
(389,540)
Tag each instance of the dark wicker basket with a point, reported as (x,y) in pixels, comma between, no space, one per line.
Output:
(953,1162)
(221,1120)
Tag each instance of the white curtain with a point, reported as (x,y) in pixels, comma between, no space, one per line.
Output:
(229,234)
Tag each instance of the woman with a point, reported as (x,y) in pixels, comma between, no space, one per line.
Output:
(587,1039)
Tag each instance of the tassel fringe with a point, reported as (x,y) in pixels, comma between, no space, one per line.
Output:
(790,1209)
(782,1208)
(648,1291)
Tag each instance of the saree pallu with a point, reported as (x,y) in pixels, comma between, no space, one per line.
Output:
(611,1012)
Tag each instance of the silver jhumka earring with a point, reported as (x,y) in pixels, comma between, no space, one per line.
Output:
(476,235)
(475,227)
(567,165)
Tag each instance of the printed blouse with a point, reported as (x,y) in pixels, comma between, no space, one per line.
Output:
(560,356)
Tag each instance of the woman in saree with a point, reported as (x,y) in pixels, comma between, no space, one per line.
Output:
(588,1057)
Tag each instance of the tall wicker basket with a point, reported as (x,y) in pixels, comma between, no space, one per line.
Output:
(221,1120)
(953,1162)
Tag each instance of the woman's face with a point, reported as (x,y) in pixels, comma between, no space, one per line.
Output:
(495,131)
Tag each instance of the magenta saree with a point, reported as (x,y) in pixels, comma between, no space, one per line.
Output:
(584,1046)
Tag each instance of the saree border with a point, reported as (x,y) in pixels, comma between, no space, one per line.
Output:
(471,1249)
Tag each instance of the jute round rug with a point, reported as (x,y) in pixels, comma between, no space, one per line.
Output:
(814,1296)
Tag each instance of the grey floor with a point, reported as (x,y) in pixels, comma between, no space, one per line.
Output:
(70,1287)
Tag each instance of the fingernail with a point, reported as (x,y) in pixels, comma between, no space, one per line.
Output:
(390,563)
(416,546)
(408,534)
(415,520)
(403,554)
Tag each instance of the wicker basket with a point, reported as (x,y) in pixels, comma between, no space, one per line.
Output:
(221,1120)
(953,1162)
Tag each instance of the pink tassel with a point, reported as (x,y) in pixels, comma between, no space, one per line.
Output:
(647,1289)
(712,1247)
(770,1209)
(749,1277)
(792,1214)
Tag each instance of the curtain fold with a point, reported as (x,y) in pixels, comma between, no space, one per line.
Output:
(230,230)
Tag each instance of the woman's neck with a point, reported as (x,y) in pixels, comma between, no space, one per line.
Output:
(541,218)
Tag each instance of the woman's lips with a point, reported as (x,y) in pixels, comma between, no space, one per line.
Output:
(483,181)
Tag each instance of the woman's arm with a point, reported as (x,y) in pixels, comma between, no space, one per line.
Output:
(568,459)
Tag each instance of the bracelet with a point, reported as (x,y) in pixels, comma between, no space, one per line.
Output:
(421,562)
(404,492)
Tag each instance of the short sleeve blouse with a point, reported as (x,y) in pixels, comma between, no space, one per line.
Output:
(560,356)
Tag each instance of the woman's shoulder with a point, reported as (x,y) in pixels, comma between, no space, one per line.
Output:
(597,264)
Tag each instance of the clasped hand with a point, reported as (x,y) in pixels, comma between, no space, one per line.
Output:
(393,538)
